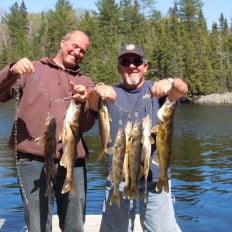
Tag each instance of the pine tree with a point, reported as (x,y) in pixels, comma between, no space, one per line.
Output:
(17,24)
(108,43)
(59,21)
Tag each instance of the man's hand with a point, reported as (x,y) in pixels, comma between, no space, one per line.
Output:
(79,92)
(23,66)
(106,92)
(164,87)
(161,88)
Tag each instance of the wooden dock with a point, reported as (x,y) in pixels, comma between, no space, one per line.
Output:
(92,223)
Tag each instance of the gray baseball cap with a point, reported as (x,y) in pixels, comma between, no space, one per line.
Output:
(131,48)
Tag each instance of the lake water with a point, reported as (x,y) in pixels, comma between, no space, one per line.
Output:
(201,170)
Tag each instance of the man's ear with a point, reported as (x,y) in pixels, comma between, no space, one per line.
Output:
(146,67)
(62,42)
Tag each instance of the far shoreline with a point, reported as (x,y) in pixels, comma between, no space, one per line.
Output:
(215,98)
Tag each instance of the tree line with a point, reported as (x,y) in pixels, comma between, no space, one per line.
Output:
(177,44)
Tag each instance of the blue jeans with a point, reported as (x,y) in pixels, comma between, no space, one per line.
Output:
(38,209)
(156,214)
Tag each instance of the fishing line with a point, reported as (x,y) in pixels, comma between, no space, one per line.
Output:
(35,76)
(17,100)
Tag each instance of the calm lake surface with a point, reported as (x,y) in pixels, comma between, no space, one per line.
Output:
(201,170)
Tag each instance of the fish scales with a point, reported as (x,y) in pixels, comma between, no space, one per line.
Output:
(104,128)
(135,159)
(70,138)
(117,165)
(164,131)
(147,141)
(48,140)
(128,129)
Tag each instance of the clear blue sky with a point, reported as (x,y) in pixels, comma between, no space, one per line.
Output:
(212,8)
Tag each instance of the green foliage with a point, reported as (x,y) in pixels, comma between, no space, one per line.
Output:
(17,24)
(59,22)
(178,44)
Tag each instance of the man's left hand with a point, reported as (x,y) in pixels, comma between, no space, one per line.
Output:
(164,87)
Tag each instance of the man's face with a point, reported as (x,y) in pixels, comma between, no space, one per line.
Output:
(73,50)
(132,68)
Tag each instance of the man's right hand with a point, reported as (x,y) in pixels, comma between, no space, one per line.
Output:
(106,92)
(23,66)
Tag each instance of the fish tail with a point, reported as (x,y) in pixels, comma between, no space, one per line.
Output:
(67,186)
(48,190)
(162,183)
(115,199)
(134,193)
(126,192)
(101,154)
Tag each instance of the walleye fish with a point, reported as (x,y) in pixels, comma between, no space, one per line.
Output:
(147,141)
(70,138)
(164,130)
(135,159)
(104,128)
(48,140)
(117,165)
(128,138)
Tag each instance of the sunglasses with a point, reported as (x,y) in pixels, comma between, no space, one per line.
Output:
(136,62)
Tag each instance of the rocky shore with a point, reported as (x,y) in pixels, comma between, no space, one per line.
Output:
(222,98)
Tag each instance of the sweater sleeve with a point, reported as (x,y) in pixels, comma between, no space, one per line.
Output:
(7,84)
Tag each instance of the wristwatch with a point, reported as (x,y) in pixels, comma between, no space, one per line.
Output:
(171,81)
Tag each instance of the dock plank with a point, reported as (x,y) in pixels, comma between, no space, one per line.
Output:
(92,223)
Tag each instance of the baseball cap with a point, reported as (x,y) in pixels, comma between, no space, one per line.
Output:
(132,48)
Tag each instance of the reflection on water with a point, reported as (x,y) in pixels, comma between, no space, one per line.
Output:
(201,170)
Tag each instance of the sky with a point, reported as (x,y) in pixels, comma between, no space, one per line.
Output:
(211,9)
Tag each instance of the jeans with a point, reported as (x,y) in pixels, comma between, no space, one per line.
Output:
(38,209)
(156,211)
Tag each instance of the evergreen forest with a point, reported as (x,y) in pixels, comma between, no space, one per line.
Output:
(176,44)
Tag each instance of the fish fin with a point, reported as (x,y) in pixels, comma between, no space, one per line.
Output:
(154,129)
(152,140)
(101,154)
(40,140)
(156,160)
(74,125)
(142,140)
(63,161)
(68,186)
(109,150)
(109,177)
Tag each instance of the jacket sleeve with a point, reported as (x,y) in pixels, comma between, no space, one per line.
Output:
(7,84)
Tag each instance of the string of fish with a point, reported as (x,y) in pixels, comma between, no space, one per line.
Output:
(48,140)
(133,115)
